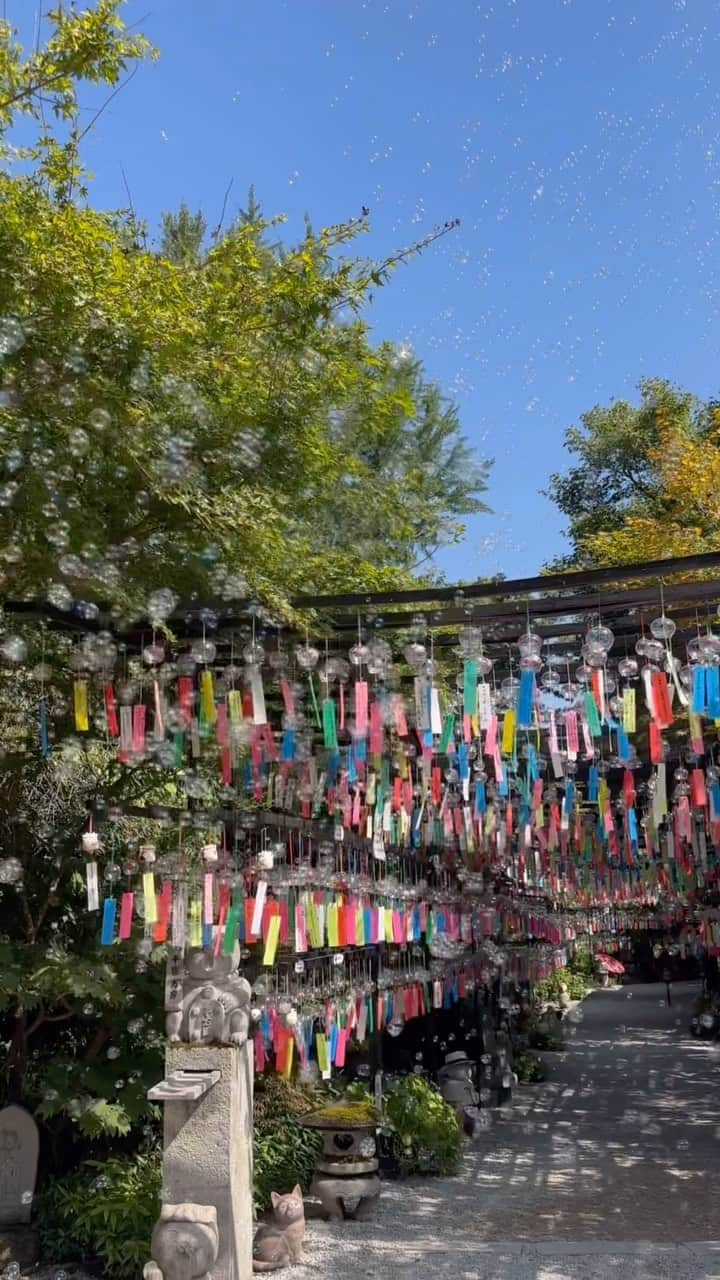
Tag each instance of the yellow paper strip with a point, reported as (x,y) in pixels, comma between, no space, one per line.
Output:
(150,899)
(289,1059)
(195,923)
(388,924)
(313,924)
(629,710)
(323,1057)
(333,932)
(208,697)
(273,937)
(235,706)
(82,724)
(360,927)
(508,733)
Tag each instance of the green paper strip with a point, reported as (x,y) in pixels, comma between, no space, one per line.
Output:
(593,715)
(179,744)
(330,737)
(231,931)
(447,734)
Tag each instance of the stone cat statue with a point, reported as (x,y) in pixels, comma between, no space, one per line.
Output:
(279,1243)
(185,1243)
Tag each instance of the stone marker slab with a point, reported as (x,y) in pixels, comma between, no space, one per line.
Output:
(183,1086)
(18,1165)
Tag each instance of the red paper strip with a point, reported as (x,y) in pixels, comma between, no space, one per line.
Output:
(111,711)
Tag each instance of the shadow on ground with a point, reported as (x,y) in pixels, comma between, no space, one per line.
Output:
(621,1145)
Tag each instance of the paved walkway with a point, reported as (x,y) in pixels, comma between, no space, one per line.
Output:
(620,1147)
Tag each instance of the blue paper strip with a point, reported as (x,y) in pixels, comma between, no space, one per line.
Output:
(699,694)
(712,685)
(108,922)
(526,698)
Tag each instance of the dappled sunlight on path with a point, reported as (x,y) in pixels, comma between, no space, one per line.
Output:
(622,1144)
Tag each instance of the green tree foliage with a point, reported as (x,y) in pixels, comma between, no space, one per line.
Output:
(215,424)
(183,234)
(617,474)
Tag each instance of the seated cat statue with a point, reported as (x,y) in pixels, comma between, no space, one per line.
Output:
(184,1243)
(279,1243)
(206,999)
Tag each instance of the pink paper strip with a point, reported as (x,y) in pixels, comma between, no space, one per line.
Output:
(400,718)
(126,911)
(138,739)
(287,694)
(340,1049)
(361,707)
(491,737)
(209,904)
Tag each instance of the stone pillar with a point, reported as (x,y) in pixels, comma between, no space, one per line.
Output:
(208,1149)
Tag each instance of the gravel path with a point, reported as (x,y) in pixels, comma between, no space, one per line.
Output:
(621,1146)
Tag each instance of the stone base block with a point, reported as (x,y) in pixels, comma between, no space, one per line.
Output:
(345,1197)
(20,1245)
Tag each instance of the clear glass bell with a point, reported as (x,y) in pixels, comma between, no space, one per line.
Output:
(663,628)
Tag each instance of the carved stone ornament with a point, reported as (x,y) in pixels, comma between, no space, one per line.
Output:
(185,1243)
(206,999)
(18,1165)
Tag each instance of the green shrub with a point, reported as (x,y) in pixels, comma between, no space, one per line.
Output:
(276,1098)
(542,1036)
(576,984)
(423,1130)
(105,1211)
(529,1069)
(283,1151)
(284,1154)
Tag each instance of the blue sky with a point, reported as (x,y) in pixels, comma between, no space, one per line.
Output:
(577,140)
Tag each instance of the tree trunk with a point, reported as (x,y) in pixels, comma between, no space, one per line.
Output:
(17,1058)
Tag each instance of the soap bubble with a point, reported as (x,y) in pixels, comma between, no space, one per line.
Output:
(87,610)
(12,335)
(79,442)
(13,649)
(10,870)
(162,603)
(59,595)
(203,650)
(99,420)
(72,566)
(13,460)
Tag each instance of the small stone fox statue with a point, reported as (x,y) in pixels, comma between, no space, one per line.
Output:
(279,1243)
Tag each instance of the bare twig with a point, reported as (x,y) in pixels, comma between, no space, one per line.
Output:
(105,104)
(214,234)
(127,189)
